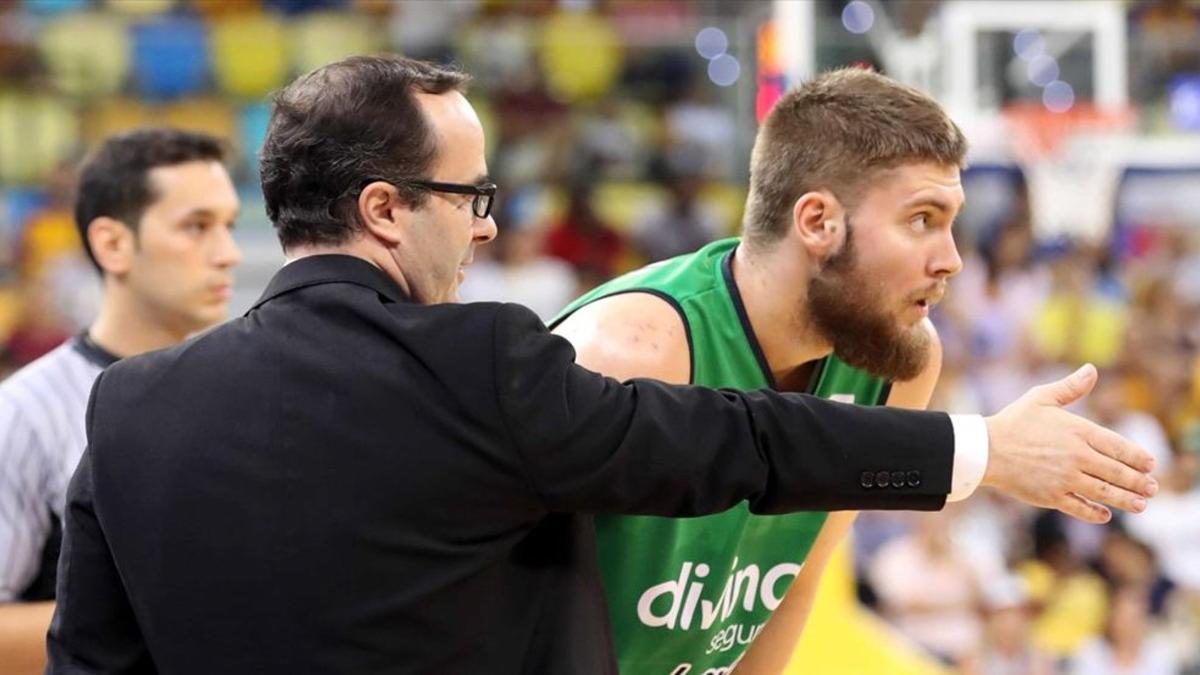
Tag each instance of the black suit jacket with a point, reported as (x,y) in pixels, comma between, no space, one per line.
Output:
(343,481)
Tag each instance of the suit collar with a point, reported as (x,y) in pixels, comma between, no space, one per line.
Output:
(331,269)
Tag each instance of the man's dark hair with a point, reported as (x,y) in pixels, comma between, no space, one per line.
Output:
(340,125)
(837,132)
(114,180)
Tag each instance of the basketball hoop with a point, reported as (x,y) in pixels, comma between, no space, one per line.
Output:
(1040,132)
(1073,161)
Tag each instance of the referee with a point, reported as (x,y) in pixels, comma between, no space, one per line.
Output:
(154,210)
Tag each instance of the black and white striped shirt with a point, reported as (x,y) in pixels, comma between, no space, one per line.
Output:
(42,408)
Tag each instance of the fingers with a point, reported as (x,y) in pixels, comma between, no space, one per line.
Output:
(1119,475)
(1087,511)
(1117,447)
(1067,390)
(1099,491)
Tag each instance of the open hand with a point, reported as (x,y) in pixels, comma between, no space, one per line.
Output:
(1045,456)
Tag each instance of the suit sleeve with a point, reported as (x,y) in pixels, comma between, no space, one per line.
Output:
(592,444)
(93,629)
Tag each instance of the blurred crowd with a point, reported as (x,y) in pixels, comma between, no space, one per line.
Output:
(610,142)
(628,152)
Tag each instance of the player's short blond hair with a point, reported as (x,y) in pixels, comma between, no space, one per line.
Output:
(835,133)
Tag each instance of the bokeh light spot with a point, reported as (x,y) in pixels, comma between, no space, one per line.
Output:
(711,42)
(724,70)
(858,17)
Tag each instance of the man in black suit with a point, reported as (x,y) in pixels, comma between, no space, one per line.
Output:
(360,476)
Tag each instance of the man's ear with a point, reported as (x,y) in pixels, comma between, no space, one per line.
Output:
(383,213)
(819,222)
(113,243)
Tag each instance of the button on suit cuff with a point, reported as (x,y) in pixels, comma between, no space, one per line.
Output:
(970,455)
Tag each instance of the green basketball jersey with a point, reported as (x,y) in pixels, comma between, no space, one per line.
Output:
(687,595)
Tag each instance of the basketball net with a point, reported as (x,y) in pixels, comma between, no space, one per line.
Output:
(1073,162)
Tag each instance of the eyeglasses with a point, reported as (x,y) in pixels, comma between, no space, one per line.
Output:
(481,205)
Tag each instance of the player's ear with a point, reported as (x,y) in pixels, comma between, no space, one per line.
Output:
(817,221)
(383,212)
(113,244)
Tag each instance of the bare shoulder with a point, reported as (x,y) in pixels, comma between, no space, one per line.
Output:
(915,393)
(630,335)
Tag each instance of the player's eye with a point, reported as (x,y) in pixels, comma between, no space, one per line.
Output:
(920,222)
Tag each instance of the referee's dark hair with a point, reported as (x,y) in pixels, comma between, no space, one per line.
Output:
(340,125)
(114,180)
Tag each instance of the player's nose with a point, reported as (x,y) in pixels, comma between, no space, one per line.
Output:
(945,260)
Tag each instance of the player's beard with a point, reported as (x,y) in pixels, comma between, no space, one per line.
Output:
(844,306)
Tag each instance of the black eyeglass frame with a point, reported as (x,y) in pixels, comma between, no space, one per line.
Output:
(481,205)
